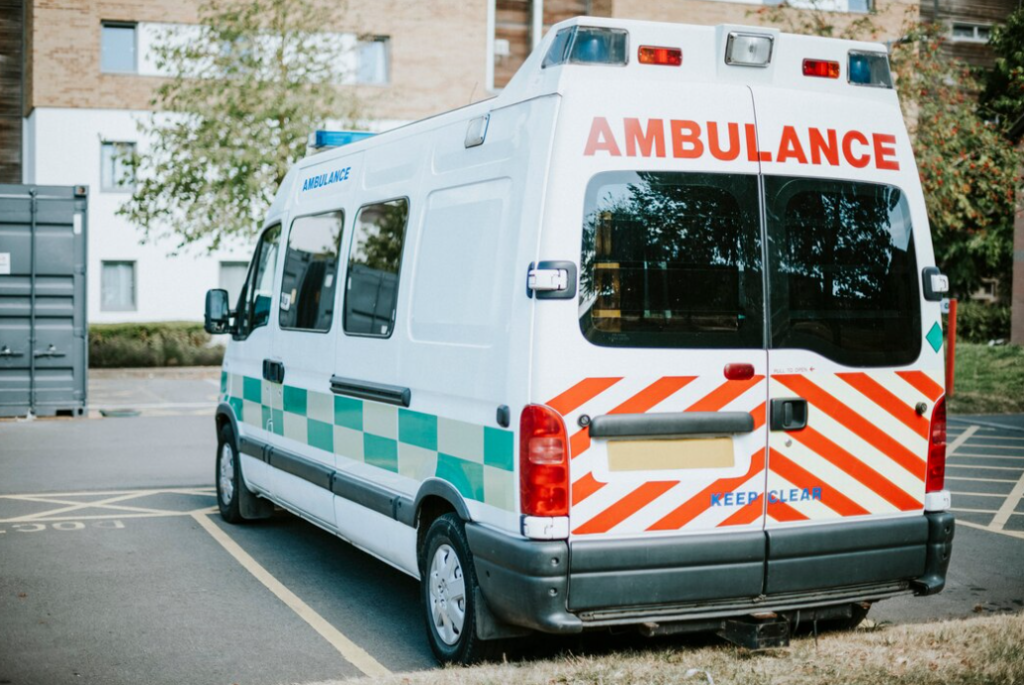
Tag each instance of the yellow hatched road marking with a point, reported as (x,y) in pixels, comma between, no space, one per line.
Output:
(984,456)
(987,468)
(961,439)
(981,480)
(352,652)
(1009,533)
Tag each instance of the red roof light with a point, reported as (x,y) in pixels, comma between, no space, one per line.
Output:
(821,68)
(669,57)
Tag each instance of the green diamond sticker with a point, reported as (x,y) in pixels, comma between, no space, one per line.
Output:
(934,337)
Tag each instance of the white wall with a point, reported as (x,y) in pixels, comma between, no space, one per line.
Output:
(63,148)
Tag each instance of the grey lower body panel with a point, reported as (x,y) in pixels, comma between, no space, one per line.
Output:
(562,587)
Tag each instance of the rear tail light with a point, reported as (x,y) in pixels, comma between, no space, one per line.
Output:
(936,478)
(543,463)
(821,68)
(670,57)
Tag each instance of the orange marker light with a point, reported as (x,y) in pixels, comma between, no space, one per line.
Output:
(821,68)
(669,57)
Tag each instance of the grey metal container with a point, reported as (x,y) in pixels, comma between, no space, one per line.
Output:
(43,330)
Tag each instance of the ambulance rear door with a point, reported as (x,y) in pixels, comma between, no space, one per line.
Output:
(854,352)
(658,366)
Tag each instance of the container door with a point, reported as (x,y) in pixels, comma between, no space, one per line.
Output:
(658,367)
(854,358)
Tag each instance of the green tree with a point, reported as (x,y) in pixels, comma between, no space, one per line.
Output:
(969,172)
(1003,96)
(242,96)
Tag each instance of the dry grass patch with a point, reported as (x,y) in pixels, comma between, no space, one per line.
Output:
(987,651)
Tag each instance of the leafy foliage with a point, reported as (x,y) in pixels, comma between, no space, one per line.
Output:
(243,95)
(174,343)
(969,172)
(1003,96)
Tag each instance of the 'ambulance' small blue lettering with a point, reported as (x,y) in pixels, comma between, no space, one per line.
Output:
(321,180)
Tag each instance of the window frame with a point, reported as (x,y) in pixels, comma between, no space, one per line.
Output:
(771,274)
(754,180)
(974,26)
(134,26)
(135,285)
(115,188)
(338,273)
(398,274)
(386,40)
(238,334)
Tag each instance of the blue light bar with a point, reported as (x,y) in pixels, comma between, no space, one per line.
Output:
(322,139)
(869,69)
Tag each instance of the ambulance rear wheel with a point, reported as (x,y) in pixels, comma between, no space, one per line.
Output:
(228,476)
(449,594)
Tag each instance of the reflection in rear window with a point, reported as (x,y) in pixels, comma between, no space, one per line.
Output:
(672,260)
(843,278)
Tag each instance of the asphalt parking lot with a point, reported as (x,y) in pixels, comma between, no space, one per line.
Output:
(115,569)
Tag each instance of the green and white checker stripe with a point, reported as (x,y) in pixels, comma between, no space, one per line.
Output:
(478,460)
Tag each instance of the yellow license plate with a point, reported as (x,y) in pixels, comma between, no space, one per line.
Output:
(675,453)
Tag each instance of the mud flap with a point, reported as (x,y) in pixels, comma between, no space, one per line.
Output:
(489,626)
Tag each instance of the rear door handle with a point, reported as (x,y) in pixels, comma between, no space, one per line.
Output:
(273,371)
(788,414)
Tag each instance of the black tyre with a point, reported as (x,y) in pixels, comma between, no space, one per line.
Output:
(228,476)
(449,594)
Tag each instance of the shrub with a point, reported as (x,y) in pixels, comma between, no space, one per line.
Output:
(979,322)
(175,343)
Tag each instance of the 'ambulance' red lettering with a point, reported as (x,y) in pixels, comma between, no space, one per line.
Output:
(734,142)
(686,144)
(655,137)
(858,162)
(688,141)
(601,138)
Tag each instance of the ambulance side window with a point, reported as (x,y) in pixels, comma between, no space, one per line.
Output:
(255,299)
(672,260)
(373,267)
(310,272)
(843,277)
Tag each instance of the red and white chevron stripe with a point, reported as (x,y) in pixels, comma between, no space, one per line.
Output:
(864,448)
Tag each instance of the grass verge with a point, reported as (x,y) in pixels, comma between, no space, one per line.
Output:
(988,650)
(989,380)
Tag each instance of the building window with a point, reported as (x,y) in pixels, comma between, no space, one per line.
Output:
(118,49)
(116,173)
(373,60)
(232,278)
(117,287)
(971,33)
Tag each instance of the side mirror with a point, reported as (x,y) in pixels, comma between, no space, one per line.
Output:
(218,313)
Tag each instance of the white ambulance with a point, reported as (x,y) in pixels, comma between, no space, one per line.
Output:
(652,339)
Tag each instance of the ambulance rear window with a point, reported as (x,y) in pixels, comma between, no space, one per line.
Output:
(843,277)
(672,260)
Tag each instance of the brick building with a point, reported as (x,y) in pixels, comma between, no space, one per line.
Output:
(78,74)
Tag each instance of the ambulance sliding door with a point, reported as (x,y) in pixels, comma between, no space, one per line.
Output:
(849,366)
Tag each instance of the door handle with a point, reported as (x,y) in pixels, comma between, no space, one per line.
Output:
(273,371)
(6,351)
(50,351)
(788,414)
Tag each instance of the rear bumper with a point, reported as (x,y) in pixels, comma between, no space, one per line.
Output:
(561,587)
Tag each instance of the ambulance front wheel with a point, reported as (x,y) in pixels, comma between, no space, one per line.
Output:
(228,476)
(449,594)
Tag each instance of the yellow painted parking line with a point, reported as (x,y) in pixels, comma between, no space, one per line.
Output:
(103,517)
(98,493)
(985,456)
(977,494)
(987,468)
(982,480)
(1009,504)
(961,439)
(1009,533)
(352,652)
(975,443)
